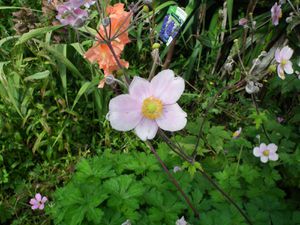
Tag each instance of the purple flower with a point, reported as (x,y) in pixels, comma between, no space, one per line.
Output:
(68,15)
(181,221)
(149,106)
(243,22)
(266,152)
(75,4)
(276,13)
(38,202)
(283,57)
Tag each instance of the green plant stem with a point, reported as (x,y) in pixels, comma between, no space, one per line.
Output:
(173,180)
(257,111)
(204,118)
(173,146)
(226,196)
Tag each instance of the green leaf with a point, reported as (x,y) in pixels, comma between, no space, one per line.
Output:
(38,76)
(60,57)
(36,32)
(94,215)
(229,12)
(216,137)
(82,90)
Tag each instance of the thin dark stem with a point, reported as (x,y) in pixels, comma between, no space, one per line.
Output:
(174,147)
(257,111)
(173,180)
(204,118)
(170,54)
(226,196)
(117,60)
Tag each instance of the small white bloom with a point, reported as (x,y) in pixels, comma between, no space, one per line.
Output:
(181,221)
(266,152)
(127,222)
(176,169)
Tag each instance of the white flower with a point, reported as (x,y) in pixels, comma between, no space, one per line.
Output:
(266,152)
(181,221)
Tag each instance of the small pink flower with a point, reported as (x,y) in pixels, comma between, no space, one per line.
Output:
(283,57)
(276,13)
(149,106)
(38,202)
(266,152)
(237,133)
(243,22)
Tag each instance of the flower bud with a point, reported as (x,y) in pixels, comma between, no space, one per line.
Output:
(272,68)
(155,46)
(145,9)
(106,21)
(109,79)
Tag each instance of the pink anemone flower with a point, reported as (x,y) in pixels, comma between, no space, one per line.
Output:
(266,152)
(149,106)
(38,202)
(276,13)
(283,57)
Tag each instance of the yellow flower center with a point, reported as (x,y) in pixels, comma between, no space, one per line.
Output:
(152,108)
(266,152)
(283,62)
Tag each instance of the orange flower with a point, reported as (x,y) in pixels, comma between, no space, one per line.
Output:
(100,52)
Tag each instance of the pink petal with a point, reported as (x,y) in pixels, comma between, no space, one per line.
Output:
(257,152)
(277,55)
(44,199)
(146,129)
(41,207)
(262,147)
(286,53)
(160,84)
(34,207)
(288,67)
(173,118)
(124,112)
(264,159)
(38,197)
(273,157)
(139,88)
(280,72)
(33,201)
(173,91)
(272,148)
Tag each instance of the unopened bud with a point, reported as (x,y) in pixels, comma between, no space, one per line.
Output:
(106,21)
(272,68)
(109,79)
(145,9)
(155,46)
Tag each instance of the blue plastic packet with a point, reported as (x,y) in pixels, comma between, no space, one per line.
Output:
(172,22)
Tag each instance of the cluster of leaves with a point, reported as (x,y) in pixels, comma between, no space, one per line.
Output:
(114,187)
(52,114)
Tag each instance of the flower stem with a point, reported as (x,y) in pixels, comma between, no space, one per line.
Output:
(117,60)
(173,180)
(257,111)
(226,196)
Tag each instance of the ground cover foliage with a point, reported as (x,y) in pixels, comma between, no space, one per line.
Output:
(56,139)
